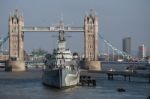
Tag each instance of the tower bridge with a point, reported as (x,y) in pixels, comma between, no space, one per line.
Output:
(16,40)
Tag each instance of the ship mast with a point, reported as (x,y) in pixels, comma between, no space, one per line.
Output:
(61,31)
(61,37)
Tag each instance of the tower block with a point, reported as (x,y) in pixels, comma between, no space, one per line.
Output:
(16,43)
(91,42)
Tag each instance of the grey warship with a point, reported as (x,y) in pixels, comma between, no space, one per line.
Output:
(62,69)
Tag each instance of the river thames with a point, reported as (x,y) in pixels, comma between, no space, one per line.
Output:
(27,85)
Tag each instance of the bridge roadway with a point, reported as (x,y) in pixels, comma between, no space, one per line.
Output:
(53,29)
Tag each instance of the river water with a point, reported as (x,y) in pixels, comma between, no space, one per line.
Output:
(27,85)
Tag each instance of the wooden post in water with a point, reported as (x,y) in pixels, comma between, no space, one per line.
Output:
(149,79)
(110,76)
(125,77)
(129,78)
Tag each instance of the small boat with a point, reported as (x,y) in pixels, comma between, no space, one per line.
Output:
(148,97)
(121,90)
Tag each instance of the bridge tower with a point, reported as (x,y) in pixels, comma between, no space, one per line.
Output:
(16,43)
(91,41)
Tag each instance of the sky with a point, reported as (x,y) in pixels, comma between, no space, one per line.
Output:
(117,19)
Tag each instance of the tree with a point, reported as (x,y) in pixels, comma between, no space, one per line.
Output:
(38,52)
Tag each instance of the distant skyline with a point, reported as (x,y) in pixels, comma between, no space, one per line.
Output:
(117,19)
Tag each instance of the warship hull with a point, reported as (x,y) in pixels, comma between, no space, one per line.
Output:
(60,78)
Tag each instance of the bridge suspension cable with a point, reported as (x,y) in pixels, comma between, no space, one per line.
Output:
(3,40)
(124,54)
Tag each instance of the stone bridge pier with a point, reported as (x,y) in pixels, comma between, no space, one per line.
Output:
(16,43)
(91,42)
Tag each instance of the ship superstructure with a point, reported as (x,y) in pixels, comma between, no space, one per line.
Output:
(62,70)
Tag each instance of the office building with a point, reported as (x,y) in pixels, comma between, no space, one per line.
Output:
(142,51)
(126,45)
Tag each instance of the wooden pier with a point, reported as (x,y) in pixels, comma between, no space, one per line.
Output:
(87,81)
(125,74)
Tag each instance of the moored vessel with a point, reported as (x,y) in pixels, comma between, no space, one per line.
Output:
(62,68)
